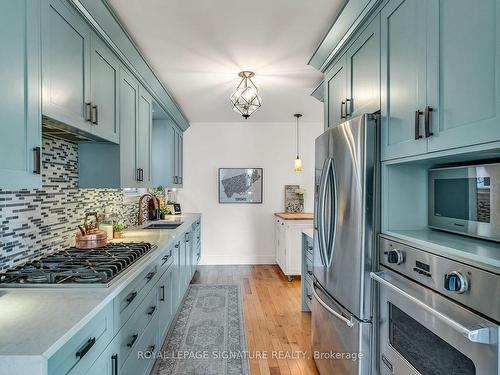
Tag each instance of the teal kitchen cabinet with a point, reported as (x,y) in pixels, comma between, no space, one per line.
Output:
(163,153)
(80,74)
(403,78)
(104,89)
(440,76)
(20,121)
(335,93)
(363,72)
(178,157)
(463,82)
(129,123)
(143,138)
(166,307)
(353,83)
(66,41)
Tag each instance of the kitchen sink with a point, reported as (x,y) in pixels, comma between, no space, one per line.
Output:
(163,225)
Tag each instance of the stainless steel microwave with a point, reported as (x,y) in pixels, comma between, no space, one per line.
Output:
(466,200)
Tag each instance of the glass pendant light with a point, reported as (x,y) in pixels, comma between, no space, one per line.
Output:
(246,99)
(298,161)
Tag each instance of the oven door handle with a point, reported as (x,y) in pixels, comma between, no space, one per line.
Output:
(348,322)
(477,334)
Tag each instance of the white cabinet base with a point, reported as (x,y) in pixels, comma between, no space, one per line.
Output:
(288,245)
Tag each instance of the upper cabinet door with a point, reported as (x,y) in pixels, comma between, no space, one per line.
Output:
(65,65)
(144,129)
(335,93)
(403,78)
(129,99)
(105,71)
(180,157)
(463,72)
(20,119)
(363,72)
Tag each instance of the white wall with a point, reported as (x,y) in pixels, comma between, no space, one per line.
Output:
(244,233)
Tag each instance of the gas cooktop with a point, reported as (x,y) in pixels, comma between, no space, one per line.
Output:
(75,267)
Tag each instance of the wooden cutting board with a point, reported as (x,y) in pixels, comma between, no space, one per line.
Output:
(294,216)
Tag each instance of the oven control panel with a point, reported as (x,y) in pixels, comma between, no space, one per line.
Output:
(453,278)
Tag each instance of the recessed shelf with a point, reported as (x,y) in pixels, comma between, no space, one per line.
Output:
(481,253)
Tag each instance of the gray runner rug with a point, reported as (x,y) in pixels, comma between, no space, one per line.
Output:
(208,335)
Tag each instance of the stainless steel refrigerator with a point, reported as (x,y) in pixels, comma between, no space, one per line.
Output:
(345,221)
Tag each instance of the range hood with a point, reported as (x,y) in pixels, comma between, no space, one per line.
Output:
(60,130)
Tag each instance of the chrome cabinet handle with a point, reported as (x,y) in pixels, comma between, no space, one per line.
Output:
(342,115)
(417,124)
(427,119)
(348,322)
(480,334)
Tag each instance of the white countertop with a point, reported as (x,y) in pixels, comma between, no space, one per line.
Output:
(38,321)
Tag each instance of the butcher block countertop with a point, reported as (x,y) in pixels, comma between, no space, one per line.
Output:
(294,216)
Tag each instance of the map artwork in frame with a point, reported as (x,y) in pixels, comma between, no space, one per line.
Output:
(240,185)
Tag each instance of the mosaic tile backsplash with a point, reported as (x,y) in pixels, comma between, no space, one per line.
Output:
(40,221)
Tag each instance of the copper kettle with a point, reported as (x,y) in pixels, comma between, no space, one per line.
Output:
(90,236)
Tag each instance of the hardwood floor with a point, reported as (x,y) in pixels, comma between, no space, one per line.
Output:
(274,323)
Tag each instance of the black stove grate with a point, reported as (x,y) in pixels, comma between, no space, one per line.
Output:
(94,266)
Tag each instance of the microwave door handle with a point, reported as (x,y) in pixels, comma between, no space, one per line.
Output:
(348,322)
(480,335)
(321,211)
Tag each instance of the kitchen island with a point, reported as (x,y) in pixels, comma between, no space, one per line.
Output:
(67,329)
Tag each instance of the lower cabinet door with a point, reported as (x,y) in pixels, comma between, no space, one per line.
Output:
(165,303)
(141,359)
(107,363)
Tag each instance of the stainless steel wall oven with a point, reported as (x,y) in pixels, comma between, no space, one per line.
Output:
(434,316)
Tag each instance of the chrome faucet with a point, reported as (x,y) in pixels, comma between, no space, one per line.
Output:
(156,205)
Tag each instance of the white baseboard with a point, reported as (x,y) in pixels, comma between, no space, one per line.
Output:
(216,260)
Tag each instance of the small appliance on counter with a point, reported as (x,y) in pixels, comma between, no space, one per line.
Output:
(90,236)
(463,200)
(174,208)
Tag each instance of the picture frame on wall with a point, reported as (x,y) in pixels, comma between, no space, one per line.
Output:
(240,185)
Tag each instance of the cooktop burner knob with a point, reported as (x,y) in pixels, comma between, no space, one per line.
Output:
(395,256)
(456,282)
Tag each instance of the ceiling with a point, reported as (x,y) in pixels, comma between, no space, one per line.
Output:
(197,48)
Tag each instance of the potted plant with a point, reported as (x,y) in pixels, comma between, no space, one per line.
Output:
(164,211)
(117,230)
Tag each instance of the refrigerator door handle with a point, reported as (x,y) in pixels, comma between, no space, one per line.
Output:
(333,213)
(348,322)
(321,211)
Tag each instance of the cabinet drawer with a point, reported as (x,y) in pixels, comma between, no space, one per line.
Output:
(128,300)
(309,247)
(308,293)
(308,269)
(139,361)
(128,336)
(166,260)
(78,354)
